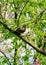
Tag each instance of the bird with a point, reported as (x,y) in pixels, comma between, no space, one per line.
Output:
(21,30)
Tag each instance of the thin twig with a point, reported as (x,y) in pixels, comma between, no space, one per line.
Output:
(37,18)
(24,5)
(15,53)
(5,56)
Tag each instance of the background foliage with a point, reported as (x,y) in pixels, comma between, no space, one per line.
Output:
(13,47)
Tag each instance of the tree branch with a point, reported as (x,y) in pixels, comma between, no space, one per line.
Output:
(30,43)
